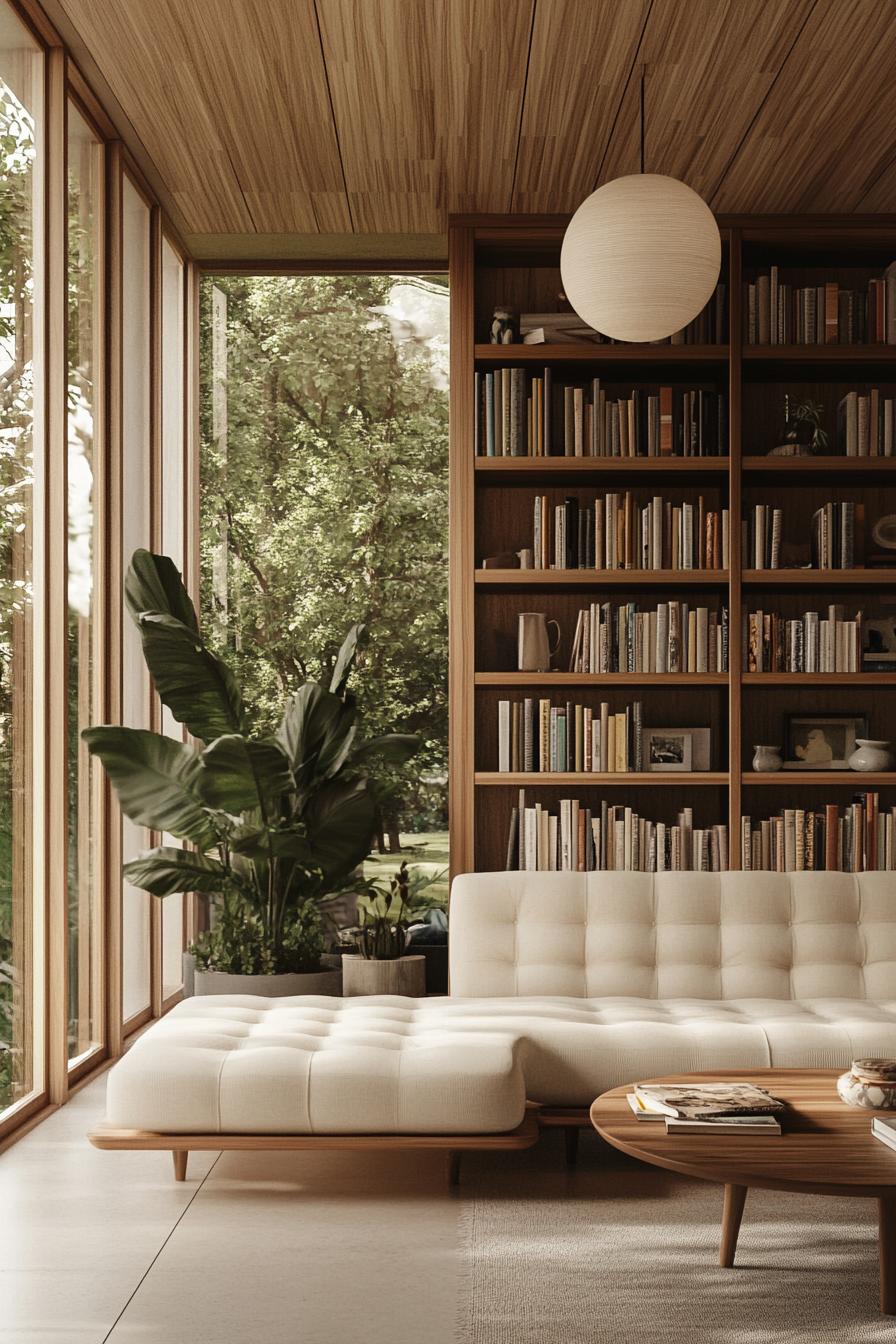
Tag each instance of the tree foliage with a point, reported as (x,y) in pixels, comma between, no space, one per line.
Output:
(324,503)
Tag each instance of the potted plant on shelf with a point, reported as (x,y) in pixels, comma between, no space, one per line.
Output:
(380,965)
(275,823)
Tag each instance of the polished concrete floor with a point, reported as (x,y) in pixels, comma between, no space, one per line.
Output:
(330,1248)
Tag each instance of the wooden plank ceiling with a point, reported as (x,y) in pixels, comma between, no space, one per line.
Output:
(268,124)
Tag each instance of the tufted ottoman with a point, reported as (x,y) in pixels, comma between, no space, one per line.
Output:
(238,1071)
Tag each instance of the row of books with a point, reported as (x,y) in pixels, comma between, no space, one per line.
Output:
(837,536)
(810,643)
(673,637)
(536,735)
(619,533)
(859,838)
(865,424)
(523,415)
(611,838)
(709,327)
(779,313)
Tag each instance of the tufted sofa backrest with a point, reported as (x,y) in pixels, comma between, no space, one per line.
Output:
(674,935)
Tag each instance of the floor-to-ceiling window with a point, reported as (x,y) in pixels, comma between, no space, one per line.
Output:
(324,476)
(136,520)
(21,367)
(85,311)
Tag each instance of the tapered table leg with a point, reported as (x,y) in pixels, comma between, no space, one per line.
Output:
(887,1241)
(180,1164)
(732,1212)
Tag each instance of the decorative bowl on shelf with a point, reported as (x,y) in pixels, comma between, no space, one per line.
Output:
(871,755)
(869,1085)
(767,759)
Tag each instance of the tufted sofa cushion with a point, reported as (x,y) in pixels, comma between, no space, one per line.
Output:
(675,935)
(315,1065)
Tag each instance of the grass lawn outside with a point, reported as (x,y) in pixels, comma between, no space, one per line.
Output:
(428,852)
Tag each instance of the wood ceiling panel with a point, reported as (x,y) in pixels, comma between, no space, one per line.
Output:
(139,48)
(827,130)
(709,66)
(259,68)
(426,95)
(582,53)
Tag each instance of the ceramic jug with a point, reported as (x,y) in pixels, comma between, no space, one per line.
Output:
(534,651)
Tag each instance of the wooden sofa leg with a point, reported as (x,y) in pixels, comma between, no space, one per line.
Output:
(454,1168)
(180,1163)
(571,1133)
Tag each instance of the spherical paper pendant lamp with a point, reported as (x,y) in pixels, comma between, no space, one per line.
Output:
(641,257)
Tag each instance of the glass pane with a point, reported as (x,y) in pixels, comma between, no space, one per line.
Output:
(324,475)
(172,540)
(84,402)
(21,243)
(135,533)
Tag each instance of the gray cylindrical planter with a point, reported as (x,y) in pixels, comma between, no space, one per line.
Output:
(268,986)
(404,975)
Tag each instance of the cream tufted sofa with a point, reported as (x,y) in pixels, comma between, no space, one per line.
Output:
(562,985)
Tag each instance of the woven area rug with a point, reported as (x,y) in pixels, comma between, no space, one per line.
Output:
(619,1253)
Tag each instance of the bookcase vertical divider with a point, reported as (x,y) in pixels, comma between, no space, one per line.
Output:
(461,557)
(735,557)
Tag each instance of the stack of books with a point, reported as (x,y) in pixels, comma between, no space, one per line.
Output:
(610,839)
(860,839)
(618,533)
(707,1108)
(777,313)
(536,735)
(762,528)
(884,1128)
(811,643)
(865,424)
(675,637)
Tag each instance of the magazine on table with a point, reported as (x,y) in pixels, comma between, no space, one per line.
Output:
(704,1101)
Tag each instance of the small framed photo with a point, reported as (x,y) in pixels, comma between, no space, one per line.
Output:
(879,644)
(667,749)
(822,741)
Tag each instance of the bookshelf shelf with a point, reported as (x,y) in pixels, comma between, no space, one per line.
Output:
(564,467)
(821,466)
(818,678)
(536,778)
(514,262)
(820,578)
(601,679)
(849,779)
(602,578)
(601,354)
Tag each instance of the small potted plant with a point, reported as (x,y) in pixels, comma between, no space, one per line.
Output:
(274,824)
(380,964)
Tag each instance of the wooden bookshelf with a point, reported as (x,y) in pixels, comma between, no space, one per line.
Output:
(515,261)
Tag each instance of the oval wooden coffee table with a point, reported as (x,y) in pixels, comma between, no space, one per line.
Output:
(826,1148)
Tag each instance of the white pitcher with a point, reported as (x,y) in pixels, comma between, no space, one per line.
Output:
(534,651)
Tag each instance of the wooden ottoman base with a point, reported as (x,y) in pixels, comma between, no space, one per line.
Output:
(181,1145)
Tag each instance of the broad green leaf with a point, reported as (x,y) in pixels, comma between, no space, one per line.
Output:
(275,844)
(340,818)
(155,779)
(345,659)
(239,773)
(396,748)
(166,870)
(197,687)
(315,732)
(154,584)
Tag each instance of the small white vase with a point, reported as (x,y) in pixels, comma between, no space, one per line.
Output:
(871,755)
(766,759)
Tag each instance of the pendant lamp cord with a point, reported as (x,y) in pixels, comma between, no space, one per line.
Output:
(642,118)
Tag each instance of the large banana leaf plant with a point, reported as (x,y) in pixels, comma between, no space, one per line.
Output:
(274,822)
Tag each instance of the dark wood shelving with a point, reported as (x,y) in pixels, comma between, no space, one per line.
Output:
(601,354)
(515,261)
(601,578)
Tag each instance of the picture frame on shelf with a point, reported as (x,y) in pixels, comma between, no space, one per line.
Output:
(879,644)
(822,741)
(660,742)
(667,749)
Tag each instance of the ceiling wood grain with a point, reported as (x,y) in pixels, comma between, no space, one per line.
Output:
(295,118)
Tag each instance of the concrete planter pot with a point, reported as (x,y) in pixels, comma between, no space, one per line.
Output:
(268,986)
(405,976)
